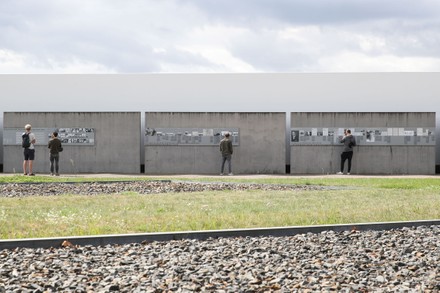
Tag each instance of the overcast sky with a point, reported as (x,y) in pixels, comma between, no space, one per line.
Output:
(219,36)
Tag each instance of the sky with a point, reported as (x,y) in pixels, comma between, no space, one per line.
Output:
(218,36)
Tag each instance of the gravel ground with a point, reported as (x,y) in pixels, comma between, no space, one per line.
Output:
(403,260)
(142,187)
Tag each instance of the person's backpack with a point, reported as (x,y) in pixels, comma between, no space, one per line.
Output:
(25,140)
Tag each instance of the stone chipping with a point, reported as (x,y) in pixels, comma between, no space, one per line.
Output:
(141,187)
(399,260)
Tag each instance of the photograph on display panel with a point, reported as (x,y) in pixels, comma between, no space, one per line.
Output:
(190,136)
(67,135)
(364,135)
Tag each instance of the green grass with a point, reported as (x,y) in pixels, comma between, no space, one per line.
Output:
(366,200)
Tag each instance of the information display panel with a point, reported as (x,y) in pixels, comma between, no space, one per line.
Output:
(190,136)
(68,136)
(364,135)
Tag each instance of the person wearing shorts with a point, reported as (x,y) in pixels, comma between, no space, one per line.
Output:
(29,153)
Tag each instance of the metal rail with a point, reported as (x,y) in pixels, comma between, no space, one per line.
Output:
(101,240)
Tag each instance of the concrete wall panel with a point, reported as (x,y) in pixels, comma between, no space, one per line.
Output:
(392,159)
(261,149)
(116,149)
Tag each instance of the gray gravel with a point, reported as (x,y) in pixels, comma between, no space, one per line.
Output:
(403,260)
(142,187)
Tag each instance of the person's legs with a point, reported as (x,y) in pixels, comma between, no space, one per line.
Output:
(229,159)
(343,158)
(25,161)
(24,167)
(223,163)
(349,157)
(57,158)
(31,161)
(52,160)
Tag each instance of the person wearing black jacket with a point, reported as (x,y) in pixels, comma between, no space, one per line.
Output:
(347,153)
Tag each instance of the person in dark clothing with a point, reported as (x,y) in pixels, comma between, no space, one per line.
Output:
(55,147)
(226,151)
(347,153)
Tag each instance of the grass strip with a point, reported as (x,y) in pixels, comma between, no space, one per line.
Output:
(75,215)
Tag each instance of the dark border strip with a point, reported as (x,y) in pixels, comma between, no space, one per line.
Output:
(101,240)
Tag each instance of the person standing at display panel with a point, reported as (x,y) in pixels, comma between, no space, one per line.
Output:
(347,153)
(226,151)
(55,148)
(29,150)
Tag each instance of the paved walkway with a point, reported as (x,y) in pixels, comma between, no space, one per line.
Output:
(238,176)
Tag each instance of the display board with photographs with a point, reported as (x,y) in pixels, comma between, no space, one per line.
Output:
(68,136)
(77,136)
(364,135)
(190,136)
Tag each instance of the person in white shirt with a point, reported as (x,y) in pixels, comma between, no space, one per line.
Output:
(29,152)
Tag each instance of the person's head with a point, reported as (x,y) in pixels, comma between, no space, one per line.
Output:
(348,131)
(227,134)
(55,134)
(28,127)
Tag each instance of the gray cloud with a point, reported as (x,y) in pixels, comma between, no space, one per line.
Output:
(119,35)
(318,11)
(218,36)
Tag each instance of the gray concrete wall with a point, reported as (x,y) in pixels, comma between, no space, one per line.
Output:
(261,150)
(392,159)
(116,148)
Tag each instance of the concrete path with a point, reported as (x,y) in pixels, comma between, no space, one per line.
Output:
(238,176)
